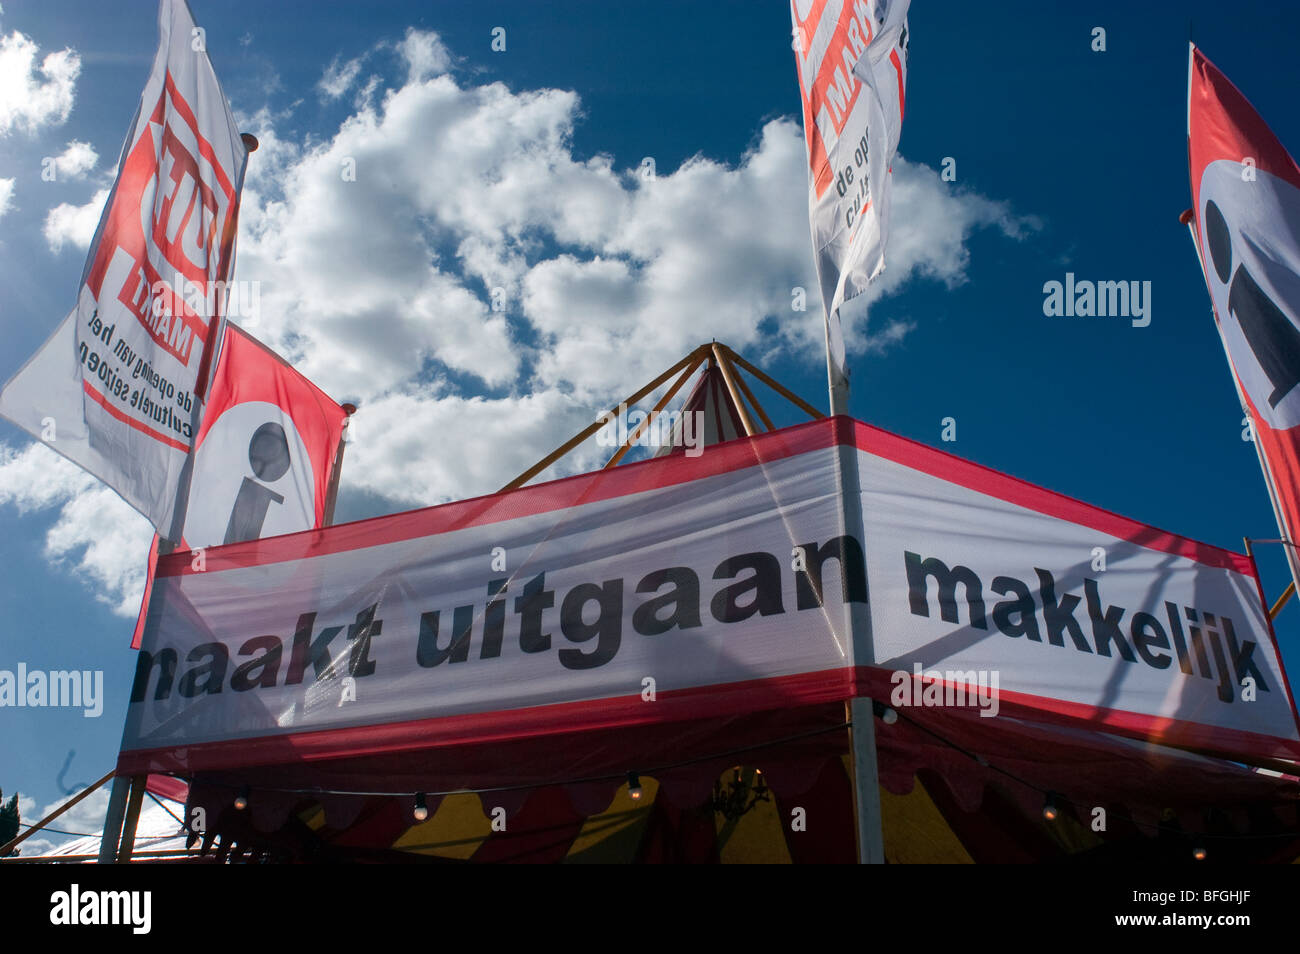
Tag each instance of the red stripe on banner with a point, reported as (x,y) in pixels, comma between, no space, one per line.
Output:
(986,480)
(672,470)
(704,702)
(1229,743)
(132,422)
(562,494)
(685,705)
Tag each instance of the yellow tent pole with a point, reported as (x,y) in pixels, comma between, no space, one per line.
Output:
(655,412)
(1282,600)
(16,841)
(735,395)
(740,380)
(1290,587)
(775,385)
(590,429)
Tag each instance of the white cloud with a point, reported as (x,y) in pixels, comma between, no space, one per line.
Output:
(6,195)
(33,96)
(35,478)
(96,535)
(111,564)
(77,160)
(85,817)
(339,77)
(379,286)
(424,53)
(74,223)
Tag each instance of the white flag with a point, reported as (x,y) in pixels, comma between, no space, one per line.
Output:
(118,387)
(852,59)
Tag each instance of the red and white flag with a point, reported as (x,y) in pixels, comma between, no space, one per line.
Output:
(119,387)
(852,60)
(1246,198)
(266,458)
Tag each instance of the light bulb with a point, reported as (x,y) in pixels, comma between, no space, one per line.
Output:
(1050,812)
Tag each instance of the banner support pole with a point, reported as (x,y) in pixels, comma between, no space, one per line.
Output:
(108,841)
(132,818)
(860,710)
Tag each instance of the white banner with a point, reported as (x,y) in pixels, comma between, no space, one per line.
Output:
(1061,609)
(117,388)
(625,588)
(683,588)
(852,60)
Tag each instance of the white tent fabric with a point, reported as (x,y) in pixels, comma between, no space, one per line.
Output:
(157,830)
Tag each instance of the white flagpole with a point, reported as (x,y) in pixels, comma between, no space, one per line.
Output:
(860,711)
(837,384)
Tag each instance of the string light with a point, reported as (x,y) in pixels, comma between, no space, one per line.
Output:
(883,712)
(1050,808)
(421,811)
(1050,811)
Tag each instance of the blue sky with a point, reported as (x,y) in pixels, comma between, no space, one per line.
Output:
(520,169)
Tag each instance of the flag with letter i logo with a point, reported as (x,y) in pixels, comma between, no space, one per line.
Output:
(267,457)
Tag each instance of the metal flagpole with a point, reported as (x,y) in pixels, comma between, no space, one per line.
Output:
(859,710)
(838,385)
(332,495)
(124,811)
(1292,558)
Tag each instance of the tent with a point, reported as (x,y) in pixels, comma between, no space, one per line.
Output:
(747,751)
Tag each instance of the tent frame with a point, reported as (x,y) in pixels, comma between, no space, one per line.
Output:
(717,355)
(859,712)
(128,791)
